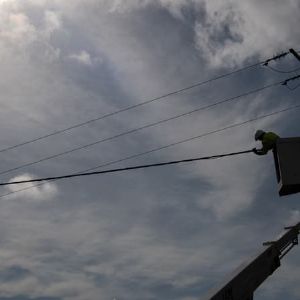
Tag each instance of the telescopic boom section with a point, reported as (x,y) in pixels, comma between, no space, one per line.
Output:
(250,275)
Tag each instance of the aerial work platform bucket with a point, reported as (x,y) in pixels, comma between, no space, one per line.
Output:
(287,163)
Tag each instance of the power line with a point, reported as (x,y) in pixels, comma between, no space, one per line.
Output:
(293,107)
(285,82)
(141,103)
(144,127)
(276,57)
(126,109)
(127,168)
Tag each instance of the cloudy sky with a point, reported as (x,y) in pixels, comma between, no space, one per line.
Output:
(167,233)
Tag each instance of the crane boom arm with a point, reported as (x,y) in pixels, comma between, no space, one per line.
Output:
(250,275)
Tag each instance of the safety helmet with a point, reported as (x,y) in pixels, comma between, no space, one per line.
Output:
(259,134)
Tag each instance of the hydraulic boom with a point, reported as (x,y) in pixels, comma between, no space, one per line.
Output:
(250,275)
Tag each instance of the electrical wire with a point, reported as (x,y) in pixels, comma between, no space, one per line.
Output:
(276,57)
(198,84)
(293,107)
(127,168)
(143,127)
(285,82)
(128,108)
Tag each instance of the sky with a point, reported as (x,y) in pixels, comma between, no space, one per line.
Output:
(165,233)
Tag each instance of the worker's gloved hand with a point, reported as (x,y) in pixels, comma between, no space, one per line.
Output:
(256,151)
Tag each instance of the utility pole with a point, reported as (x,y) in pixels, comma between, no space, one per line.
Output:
(250,275)
(295,53)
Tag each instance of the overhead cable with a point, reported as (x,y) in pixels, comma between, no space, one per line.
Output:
(293,107)
(276,57)
(285,82)
(172,93)
(127,168)
(145,126)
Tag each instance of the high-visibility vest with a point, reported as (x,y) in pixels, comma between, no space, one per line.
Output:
(269,141)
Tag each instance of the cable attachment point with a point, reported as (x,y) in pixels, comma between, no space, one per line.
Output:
(285,82)
(276,57)
(295,53)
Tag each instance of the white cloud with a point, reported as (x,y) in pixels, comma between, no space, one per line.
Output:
(33,191)
(82,57)
(229,32)
(23,38)
(253,28)
(16,29)
(52,22)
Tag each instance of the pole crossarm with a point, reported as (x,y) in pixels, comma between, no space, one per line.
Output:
(295,53)
(242,284)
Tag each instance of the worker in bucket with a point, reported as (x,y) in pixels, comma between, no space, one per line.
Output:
(268,140)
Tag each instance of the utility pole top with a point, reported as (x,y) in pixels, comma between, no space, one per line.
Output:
(250,275)
(295,53)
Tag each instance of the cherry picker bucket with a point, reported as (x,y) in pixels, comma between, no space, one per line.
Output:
(287,164)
